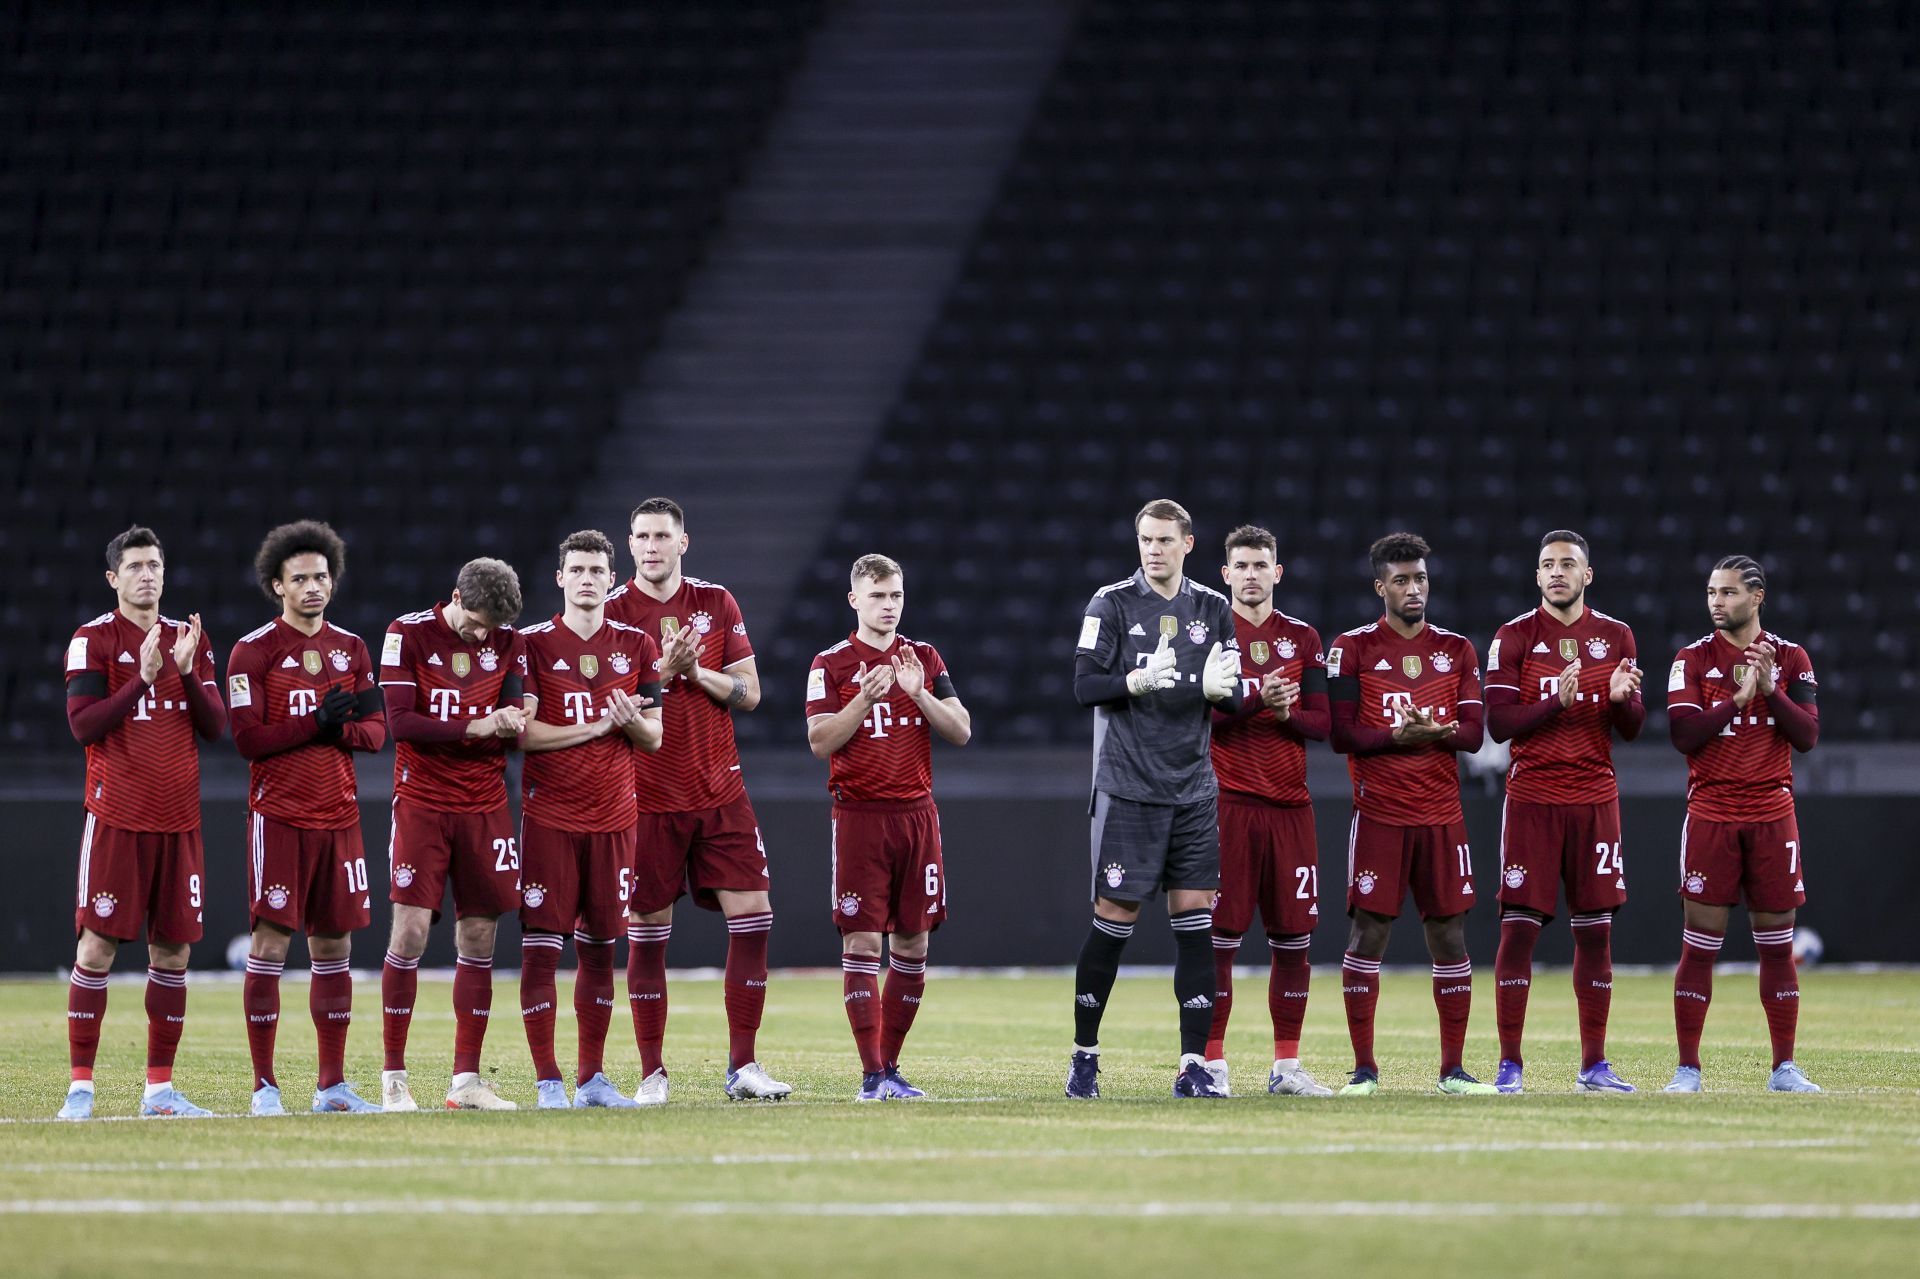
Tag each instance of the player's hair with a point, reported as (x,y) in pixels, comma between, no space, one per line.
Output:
(876,567)
(1165,508)
(490,588)
(1752,576)
(1396,548)
(1253,537)
(302,537)
(1568,536)
(588,541)
(659,506)
(139,535)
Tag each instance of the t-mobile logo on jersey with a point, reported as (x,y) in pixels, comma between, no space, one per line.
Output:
(1550,688)
(301,701)
(881,718)
(147,705)
(443,703)
(579,707)
(1395,705)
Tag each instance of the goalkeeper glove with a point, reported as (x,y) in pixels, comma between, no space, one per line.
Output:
(1220,674)
(1159,672)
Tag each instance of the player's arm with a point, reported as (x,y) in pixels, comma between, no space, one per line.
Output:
(1309,718)
(253,736)
(827,732)
(538,736)
(1792,701)
(1348,735)
(1469,732)
(931,689)
(193,658)
(91,714)
(1626,709)
(367,730)
(1098,679)
(1689,725)
(736,687)
(1507,716)
(638,715)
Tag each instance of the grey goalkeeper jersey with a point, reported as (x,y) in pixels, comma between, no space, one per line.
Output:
(1155,749)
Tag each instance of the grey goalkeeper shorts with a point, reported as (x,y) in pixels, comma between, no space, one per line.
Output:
(1139,849)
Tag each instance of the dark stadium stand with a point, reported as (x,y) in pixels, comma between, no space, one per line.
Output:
(385,265)
(1479,270)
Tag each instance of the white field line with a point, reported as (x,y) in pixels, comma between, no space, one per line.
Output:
(515,1208)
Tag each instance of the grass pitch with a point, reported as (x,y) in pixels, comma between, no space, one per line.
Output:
(998,1173)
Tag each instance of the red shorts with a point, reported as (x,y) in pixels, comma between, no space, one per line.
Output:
(477,851)
(311,880)
(575,879)
(130,877)
(887,873)
(1384,861)
(1722,861)
(1543,845)
(704,851)
(1269,856)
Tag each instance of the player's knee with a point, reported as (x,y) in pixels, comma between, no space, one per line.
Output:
(408,937)
(95,952)
(1118,912)
(330,946)
(164,954)
(909,945)
(271,943)
(653,917)
(861,945)
(474,937)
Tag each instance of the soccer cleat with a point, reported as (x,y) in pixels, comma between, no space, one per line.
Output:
(1599,1077)
(266,1102)
(1458,1083)
(653,1089)
(550,1094)
(341,1099)
(872,1086)
(1507,1079)
(395,1097)
(1083,1076)
(894,1087)
(1194,1080)
(752,1083)
(78,1105)
(1364,1082)
(1685,1079)
(1217,1070)
(600,1092)
(470,1092)
(1295,1083)
(170,1104)
(1788,1077)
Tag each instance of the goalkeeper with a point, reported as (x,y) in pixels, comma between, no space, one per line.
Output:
(1156,654)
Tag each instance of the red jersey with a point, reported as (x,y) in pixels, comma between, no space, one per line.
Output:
(1746,773)
(276,679)
(588,787)
(698,764)
(890,756)
(144,775)
(1251,754)
(452,681)
(1568,759)
(1437,671)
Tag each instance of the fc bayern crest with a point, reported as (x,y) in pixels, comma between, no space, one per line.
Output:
(589,665)
(533,895)
(277,897)
(850,904)
(1197,632)
(1514,876)
(1410,664)
(103,904)
(338,657)
(1442,663)
(462,665)
(1365,881)
(1115,875)
(1695,882)
(1597,648)
(489,660)
(1258,652)
(310,660)
(402,875)
(701,623)
(1284,647)
(621,663)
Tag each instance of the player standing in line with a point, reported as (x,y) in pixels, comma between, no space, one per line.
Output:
(697,831)
(1143,663)
(592,699)
(303,699)
(140,688)
(452,676)
(1406,700)
(1737,700)
(1560,680)
(874,701)
(1269,854)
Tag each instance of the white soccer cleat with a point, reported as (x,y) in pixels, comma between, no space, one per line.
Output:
(752,1083)
(395,1097)
(1218,1069)
(1295,1083)
(470,1092)
(653,1089)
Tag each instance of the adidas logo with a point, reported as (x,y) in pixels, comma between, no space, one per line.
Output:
(433,659)
(1198,1001)
(1382,665)
(1715,674)
(289,664)
(1136,630)
(1799,886)
(561,665)
(1088,1001)
(1540,646)
(126,657)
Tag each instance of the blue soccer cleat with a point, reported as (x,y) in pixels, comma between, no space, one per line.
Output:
(1788,1077)
(266,1102)
(600,1092)
(1507,1078)
(1685,1079)
(168,1103)
(78,1105)
(873,1086)
(1599,1077)
(894,1086)
(1194,1079)
(1083,1076)
(551,1094)
(341,1099)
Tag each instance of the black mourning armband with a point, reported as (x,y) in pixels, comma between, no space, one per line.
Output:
(87,684)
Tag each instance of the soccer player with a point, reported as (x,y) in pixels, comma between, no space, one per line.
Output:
(453,677)
(140,688)
(697,831)
(874,701)
(1268,851)
(1156,654)
(1406,700)
(1737,700)
(303,698)
(592,699)
(1560,681)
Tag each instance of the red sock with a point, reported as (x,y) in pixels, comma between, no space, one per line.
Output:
(330,1001)
(746,983)
(1693,989)
(399,982)
(1360,985)
(1287,982)
(86,1009)
(472,1005)
(592,1002)
(1779,988)
(1513,979)
(260,998)
(647,989)
(860,984)
(906,985)
(539,960)
(1593,983)
(166,1018)
(1225,947)
(1453,999)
